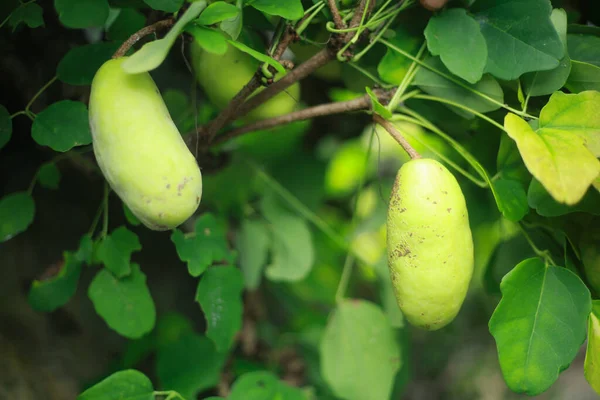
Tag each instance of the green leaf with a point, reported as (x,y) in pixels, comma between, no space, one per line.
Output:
(5,126)
(393,66)
(207,244)
(80,64)
(123,385)
(253,248)
(511,199)
(359,352)
(578,114)
(509,162)
(232,187)
(114,251)
(263,385)
(259,56)
(289,9)
(292,248)
(49,176)
(30,14)
(50,293)
(455,37)
(86,249)
(62,126)
(128,22)
(220,296)
(377,107)
(152,54)
(539,324)
(129,216)
(561,153)
(210,40)
(165,5)
(16,214)
(584,48)
(125,304)
(190,364)
(546,206)
(233,26)
(542,83)
(217,12)
(78,14)
(437,85)
(583,77)
(520,36)
(592,355)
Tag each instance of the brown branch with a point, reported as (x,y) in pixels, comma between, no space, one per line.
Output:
(360,103)
(298,73)
(358,14)
(227,114)
(242,103)
(145,31)
(337,18)
(397,136)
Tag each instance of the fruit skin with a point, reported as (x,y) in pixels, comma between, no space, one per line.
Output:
(430,246)
(139,149)
(223,76)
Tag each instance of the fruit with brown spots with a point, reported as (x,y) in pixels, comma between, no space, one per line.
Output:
(430,247)
(139,149)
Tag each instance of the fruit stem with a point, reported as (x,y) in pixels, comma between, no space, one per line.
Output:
(391,129)
(145,31)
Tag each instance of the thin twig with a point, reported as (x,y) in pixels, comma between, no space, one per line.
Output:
(337,18)
(145,31)
(360,103)
(388,126)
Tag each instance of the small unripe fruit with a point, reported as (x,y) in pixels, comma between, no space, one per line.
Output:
(139,149)
(430,247)
(223,76)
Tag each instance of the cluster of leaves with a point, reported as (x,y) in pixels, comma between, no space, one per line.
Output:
(520,77)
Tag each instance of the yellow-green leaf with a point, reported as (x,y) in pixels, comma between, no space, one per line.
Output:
(592,355)
(561,152)
(576,113)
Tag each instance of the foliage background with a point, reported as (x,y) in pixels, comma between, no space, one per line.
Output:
(57,354)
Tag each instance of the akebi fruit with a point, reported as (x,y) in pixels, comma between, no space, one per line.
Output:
(139,149)
(429,244)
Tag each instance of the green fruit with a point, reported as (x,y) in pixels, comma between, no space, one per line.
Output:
(139,149)
(430,247)
(223,76)
(346,169)
(590,256)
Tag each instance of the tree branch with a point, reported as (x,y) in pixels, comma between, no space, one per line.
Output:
(337,18)
(145,31)
(388,126)
(360,103)
(232,109)
(302,71)
(227,114)
(358,14)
